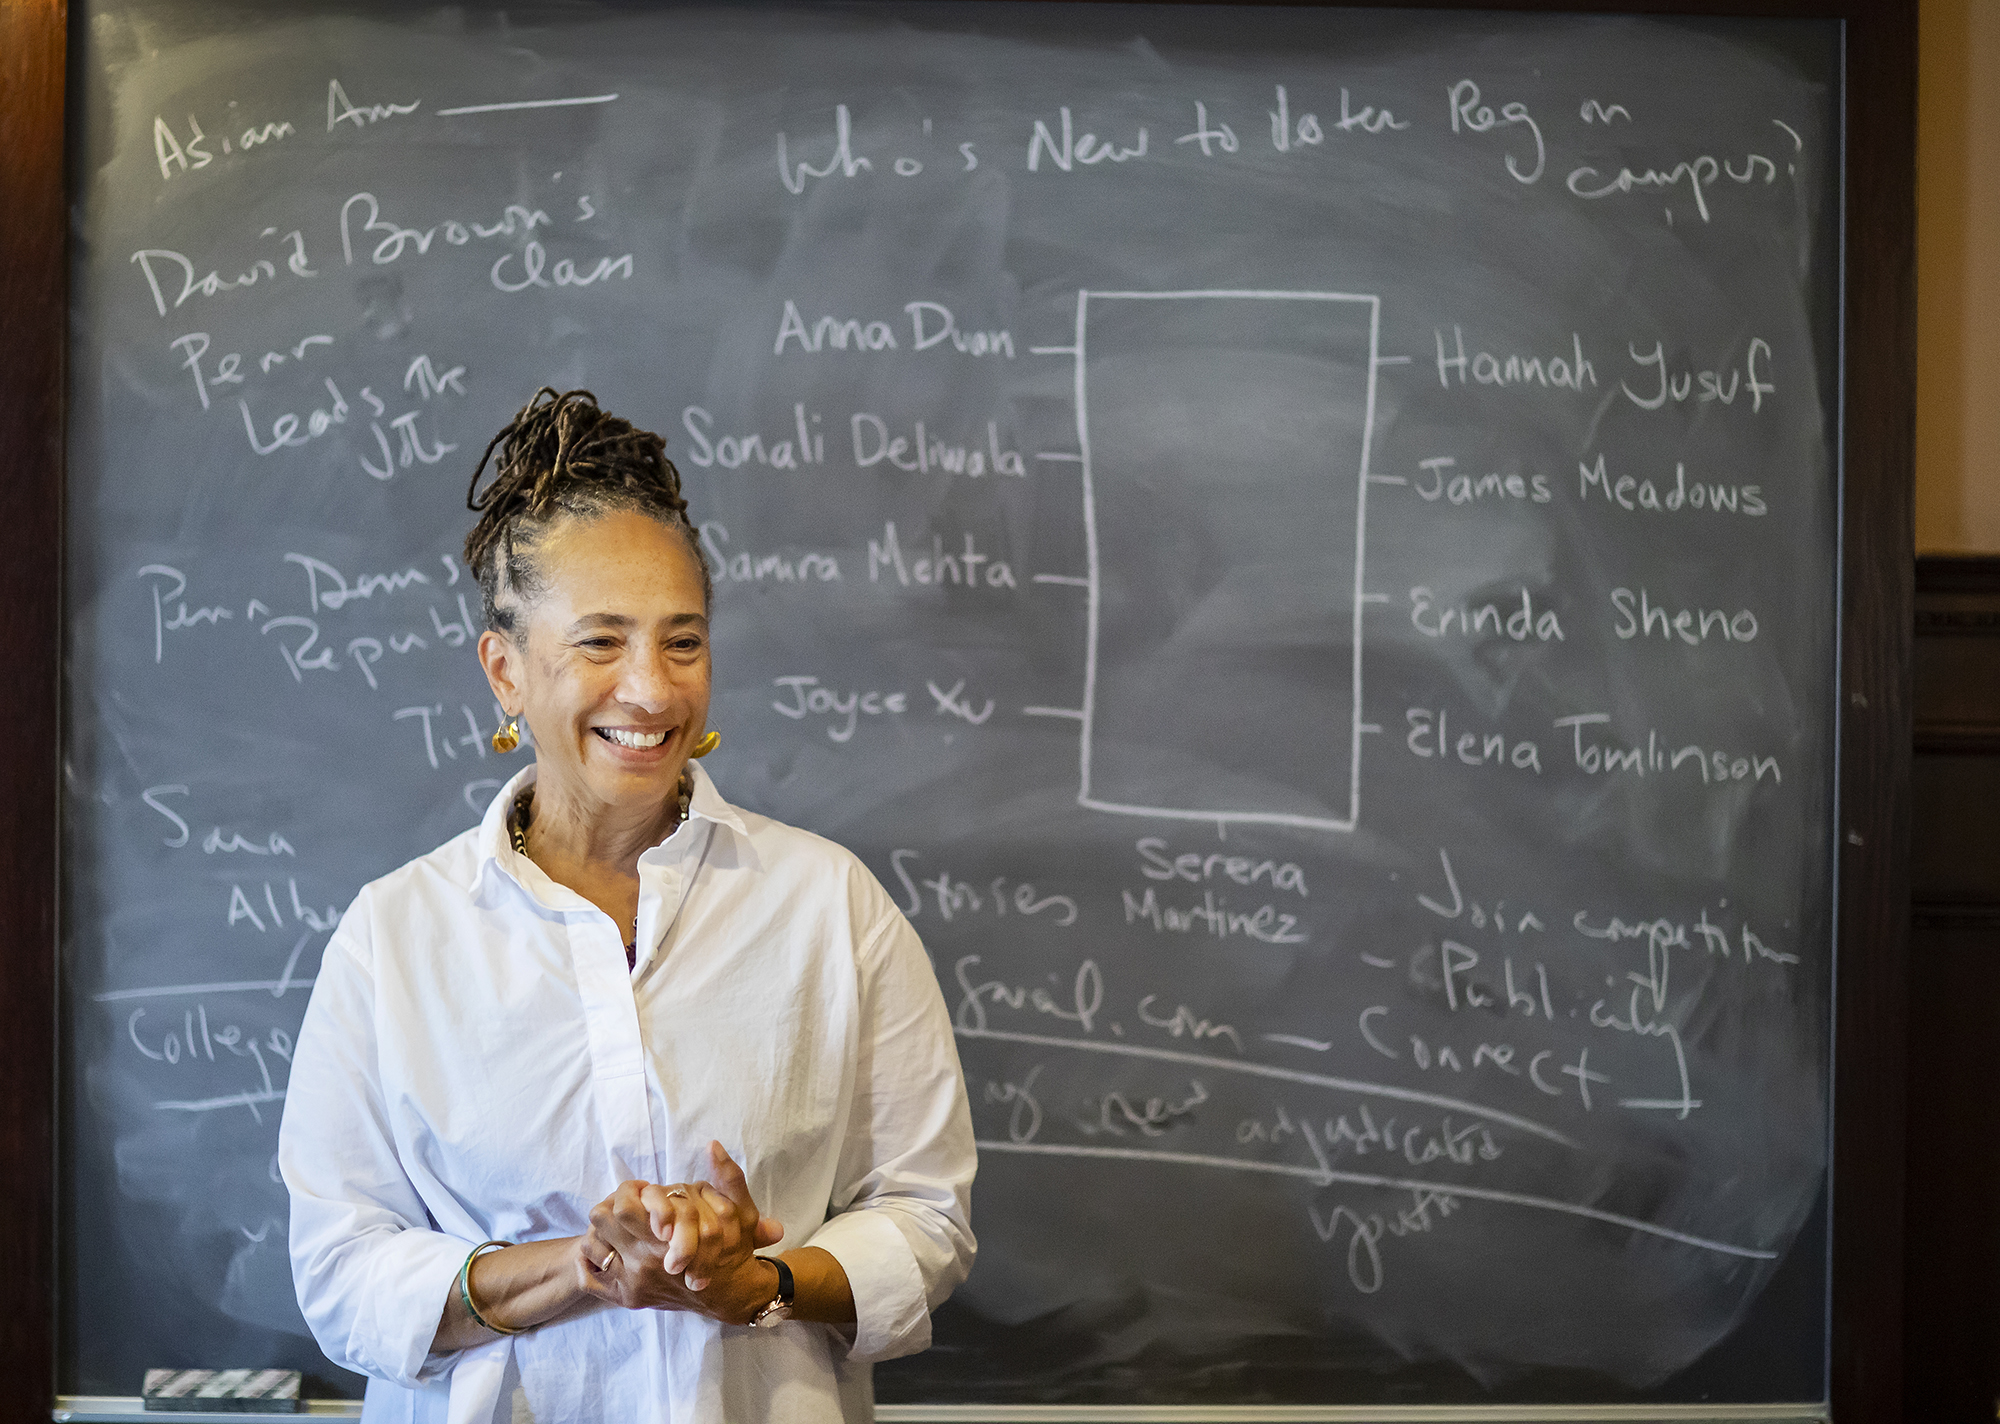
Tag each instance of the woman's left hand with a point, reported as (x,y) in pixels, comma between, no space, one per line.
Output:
(690,1246)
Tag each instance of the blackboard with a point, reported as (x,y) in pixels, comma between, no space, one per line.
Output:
(1302,546)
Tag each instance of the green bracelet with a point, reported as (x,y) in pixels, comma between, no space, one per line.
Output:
(465,1288)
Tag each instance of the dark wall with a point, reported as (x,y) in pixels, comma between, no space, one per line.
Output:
(1952,1336)
(33,316)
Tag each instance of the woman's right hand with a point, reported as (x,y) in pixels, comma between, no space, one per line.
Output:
(661,1247)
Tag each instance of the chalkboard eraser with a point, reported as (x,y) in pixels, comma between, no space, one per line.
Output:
(223,1391)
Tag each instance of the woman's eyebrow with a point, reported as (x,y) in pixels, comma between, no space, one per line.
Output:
(624,621)
(601,620)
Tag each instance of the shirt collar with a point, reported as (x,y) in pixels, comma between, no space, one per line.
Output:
(707,803)
(496,844)
(495,847)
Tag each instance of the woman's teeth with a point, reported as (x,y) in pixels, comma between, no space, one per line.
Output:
(637,740)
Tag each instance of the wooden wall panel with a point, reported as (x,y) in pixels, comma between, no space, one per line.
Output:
(1952,1316)
(34,294)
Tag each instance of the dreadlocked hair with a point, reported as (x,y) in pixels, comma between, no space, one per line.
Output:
(563,455)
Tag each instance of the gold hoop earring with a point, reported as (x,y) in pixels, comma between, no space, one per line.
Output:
(508,737)
(707,744)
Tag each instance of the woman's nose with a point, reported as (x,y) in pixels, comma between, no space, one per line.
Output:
(649,682)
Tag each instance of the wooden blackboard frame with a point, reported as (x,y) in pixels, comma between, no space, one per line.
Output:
(1877,435)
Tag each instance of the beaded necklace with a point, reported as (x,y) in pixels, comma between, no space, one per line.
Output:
(524,813)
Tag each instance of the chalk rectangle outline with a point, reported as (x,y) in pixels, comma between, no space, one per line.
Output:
(1220,818)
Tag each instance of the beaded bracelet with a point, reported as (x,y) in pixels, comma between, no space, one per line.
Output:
(465,1288)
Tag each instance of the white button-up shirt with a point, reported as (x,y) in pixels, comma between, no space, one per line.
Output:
(478,1063)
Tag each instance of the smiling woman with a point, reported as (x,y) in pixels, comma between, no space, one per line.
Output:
(504,1131)
(584,539)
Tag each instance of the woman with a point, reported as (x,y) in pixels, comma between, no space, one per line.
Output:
(535,1057)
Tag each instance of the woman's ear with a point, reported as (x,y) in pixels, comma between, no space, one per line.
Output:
(501,661)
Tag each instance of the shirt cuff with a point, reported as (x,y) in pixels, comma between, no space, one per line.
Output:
(412,1287)
(892,1316)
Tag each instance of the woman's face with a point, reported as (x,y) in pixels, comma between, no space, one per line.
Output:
(610,666)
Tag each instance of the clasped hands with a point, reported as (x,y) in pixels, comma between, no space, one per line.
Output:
(685,1246)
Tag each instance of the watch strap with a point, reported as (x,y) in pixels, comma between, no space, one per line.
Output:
(780,1306)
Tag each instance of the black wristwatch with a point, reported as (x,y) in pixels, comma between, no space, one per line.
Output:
(780,1308)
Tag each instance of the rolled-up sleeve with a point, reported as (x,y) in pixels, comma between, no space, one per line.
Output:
(372,1276)
(901,1218)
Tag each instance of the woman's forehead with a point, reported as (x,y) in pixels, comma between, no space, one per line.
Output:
(622,560)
